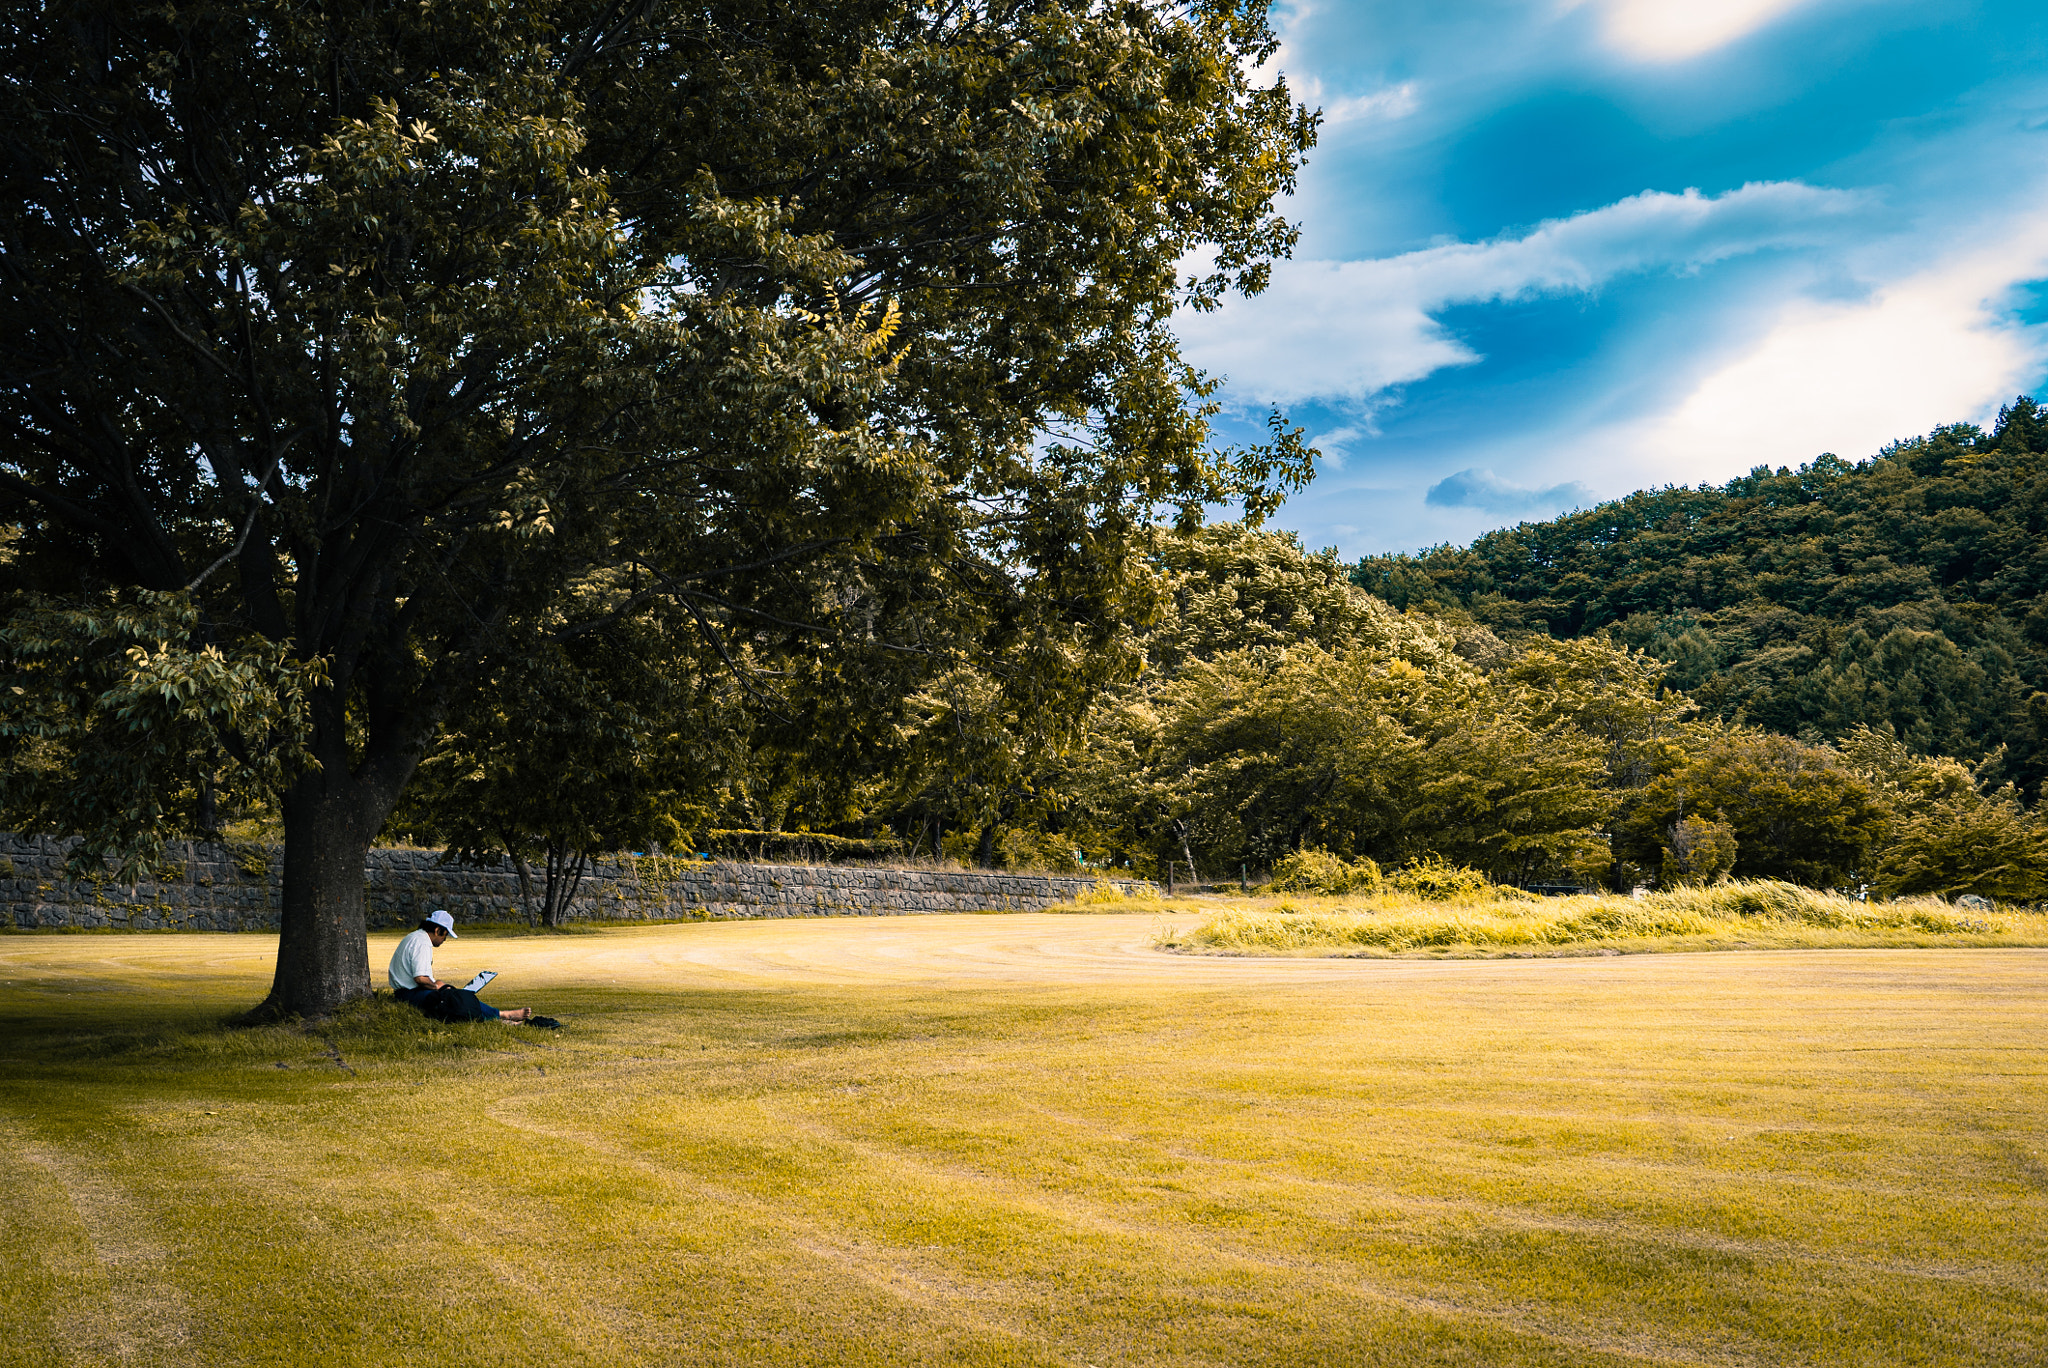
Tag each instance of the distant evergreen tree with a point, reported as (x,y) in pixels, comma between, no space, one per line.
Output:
(2022,427)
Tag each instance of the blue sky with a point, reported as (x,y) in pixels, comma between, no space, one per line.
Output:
(1558,250)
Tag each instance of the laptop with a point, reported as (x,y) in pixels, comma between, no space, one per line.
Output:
(476,984)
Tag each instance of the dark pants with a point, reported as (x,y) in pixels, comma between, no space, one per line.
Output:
(416,996)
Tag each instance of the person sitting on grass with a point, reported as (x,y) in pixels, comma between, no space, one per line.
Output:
(412,968)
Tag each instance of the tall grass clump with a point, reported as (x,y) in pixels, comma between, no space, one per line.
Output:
(1760,911)
(1102,894)
(1789,903)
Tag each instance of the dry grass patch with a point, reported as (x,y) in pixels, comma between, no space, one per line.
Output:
(1755,915)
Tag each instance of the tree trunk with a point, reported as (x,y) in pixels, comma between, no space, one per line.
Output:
(1181,829)
(565,872)
(551,888)
(985,852)
(576,872)
(323,959)
(206,817)
(525,876)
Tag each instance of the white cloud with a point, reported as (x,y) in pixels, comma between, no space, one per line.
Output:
(1394,102)
(1351,330)
(1335,445)
(1673,30)
(1933,346)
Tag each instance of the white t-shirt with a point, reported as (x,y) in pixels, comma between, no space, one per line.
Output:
(414,956)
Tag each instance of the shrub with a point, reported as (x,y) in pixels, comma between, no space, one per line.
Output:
(249,857)
(1966,842)
(1318,871)
(1430,877)
(1103,894)
(1438,880)
(1797,811)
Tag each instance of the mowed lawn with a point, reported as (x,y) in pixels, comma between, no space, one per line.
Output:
(1027,1140)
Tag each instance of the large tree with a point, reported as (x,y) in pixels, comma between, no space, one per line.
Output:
(398,337)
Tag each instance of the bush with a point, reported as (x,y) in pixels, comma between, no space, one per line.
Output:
(1018,847)
(1438,880)
(1431,878)
(1318,871)
(1795,811)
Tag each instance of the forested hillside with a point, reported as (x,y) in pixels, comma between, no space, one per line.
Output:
(1904,590)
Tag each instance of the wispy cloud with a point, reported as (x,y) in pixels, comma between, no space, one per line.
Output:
(1393,102)
(1335,445)
(1354,329)
(1484,490)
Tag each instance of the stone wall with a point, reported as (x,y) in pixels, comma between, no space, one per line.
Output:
(204,887)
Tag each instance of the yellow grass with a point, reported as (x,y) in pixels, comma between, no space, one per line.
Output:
(1027,1140)
(1758,915)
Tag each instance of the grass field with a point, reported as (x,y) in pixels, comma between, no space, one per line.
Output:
(1027,1140)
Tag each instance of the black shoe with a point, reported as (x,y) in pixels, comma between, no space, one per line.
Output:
(545,1023)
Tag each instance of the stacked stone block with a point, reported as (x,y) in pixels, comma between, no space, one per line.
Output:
(208,887)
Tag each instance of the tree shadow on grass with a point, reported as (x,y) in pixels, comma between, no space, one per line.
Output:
(120,1034)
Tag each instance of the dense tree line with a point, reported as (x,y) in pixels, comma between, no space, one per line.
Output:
(1282,713)
(1283,709)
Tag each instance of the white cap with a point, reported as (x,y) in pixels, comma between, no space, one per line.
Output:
(444,921)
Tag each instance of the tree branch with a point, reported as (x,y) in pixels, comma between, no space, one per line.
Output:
(248,524)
